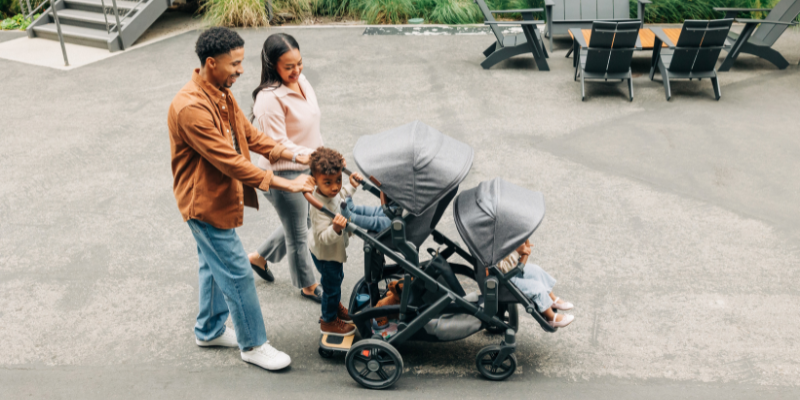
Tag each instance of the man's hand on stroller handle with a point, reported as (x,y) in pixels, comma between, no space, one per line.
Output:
(303,183)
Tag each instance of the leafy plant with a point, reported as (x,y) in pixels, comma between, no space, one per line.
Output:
(455,12)
(242,13)
(386,11)
(17,22)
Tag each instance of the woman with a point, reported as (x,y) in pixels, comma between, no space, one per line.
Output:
(286,109)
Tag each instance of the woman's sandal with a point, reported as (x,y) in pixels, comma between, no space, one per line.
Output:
(262,270)
(317,296)
(565,320)
(564,305)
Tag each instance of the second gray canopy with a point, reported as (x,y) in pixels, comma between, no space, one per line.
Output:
(497,217)
(416,164)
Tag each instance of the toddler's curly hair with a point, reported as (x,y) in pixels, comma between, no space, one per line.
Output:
(326,161)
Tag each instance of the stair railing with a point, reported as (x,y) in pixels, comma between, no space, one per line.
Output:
(105,17)
(119,30)
(124,17)
(58,25)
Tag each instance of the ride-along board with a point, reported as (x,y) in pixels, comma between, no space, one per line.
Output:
(329,345)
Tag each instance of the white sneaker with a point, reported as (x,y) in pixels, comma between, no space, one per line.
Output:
(227,339)
(267,357)
(566,319)
(472,297)
(559,304)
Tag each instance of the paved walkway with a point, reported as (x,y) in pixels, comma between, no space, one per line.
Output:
(672,226)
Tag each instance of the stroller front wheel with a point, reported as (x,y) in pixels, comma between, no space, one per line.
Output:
(491,368)
(374,364)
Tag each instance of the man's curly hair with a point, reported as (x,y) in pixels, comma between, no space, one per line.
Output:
(215,41)
(326,161)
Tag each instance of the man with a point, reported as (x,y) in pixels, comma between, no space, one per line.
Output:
(210,142)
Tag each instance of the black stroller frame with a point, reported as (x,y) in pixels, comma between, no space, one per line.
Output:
(383,365)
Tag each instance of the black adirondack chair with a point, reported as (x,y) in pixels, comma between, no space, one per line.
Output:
(608,54)
(530,40)
(759,35)
(694,56)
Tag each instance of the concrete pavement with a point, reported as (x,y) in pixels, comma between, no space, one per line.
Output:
(672,226)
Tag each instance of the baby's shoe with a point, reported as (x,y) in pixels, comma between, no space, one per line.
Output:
(559,304)
(345,211)
(380,323)
(565,320)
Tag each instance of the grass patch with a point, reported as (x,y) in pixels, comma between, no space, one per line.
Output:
(386,11)
(244,13)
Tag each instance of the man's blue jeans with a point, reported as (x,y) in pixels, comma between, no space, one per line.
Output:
(332,274)
(226,286)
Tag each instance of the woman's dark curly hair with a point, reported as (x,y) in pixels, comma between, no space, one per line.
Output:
(215,41)
(326,161)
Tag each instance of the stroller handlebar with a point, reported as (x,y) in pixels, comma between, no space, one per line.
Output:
(316,204)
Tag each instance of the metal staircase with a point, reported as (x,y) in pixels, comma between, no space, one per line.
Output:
(94,22)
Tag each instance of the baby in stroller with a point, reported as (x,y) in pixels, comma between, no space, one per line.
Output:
(537,285)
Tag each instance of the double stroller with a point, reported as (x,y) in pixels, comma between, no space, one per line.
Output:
(415,171)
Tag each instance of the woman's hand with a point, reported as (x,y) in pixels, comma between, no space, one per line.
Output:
(339,223)
(302,159)
(354,178)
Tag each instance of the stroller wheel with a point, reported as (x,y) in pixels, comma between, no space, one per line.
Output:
(485,361)
(325,353)
(508,314)
(374,364)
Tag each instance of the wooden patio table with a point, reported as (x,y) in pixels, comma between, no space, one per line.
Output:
(645,41)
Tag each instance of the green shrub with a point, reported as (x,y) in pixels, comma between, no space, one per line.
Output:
(336,8)
(454,12)
(17,22)
(386,11)
(676,11)
(242,13)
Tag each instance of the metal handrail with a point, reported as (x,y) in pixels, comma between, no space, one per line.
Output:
(105,17)
(53,4)
(119,30)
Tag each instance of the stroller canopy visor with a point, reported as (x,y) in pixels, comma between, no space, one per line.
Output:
(416,164)
(497,217)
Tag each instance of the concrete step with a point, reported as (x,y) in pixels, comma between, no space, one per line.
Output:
(87,19)
(75,34)
(97,6)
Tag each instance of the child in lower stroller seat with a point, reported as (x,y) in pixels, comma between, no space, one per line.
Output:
(537,285)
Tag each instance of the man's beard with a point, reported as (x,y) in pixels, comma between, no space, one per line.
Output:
(227,85)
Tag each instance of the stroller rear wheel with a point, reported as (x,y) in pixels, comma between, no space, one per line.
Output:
(508,314)
(374,364)
(487,364)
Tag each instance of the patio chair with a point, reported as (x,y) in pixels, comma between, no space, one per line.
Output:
(608,54)
(695,54)
(562,15)
(758,39)
(530,40)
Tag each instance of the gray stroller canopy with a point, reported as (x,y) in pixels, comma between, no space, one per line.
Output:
(416,164)
(497,217)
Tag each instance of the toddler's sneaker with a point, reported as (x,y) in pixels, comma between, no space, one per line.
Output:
(336,327)
(559,304)
(345,211)
(267,357)
(343,314)
(227,339)
(565,320)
